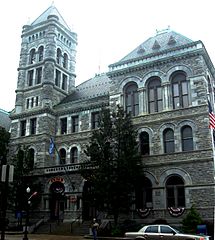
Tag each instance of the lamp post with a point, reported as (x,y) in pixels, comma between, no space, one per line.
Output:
(27,215)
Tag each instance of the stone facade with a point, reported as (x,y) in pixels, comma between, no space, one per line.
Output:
(165,83)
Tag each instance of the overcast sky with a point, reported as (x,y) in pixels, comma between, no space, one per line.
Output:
(107,31)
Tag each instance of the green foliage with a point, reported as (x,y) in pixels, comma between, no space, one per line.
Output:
(114,163)
(191,221)
(4,140)
(23,165)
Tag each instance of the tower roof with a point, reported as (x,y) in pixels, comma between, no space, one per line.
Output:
(52,10)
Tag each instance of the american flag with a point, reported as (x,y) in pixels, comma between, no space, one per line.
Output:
(211,117)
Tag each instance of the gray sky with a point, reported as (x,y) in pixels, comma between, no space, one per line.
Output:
(107,31)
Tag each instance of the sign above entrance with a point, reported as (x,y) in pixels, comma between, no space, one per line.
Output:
(56,179)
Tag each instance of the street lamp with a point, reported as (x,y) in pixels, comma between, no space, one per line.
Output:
(27,215)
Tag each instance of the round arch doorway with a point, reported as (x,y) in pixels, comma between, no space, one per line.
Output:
(57,201)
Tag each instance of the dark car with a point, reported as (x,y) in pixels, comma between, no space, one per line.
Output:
(162,231)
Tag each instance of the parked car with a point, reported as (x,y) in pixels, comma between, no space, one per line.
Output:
(162,231)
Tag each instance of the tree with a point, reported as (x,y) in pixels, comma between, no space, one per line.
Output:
(114,165)
(4,141)
(191,221)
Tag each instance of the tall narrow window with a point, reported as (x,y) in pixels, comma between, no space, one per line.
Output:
(74,155)
(187,138)
(179,90)
(65,60)
(95,120)
(64,82)
(30,158)
(59,54)
(37,101)
(23,128)
(30,77)
(75,121)
(175,192)
(62,155)
(132,99)
(32,56)
(33,126)
(38,75)
(168,138)
(155,101)
(40,52)
(144,143)
(32,102)
(63,125)
(144,194)
(57,78)
(27,103)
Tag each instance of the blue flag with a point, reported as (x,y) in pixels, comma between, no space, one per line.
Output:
(51,146)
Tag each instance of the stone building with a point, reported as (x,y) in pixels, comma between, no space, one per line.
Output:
(165,83)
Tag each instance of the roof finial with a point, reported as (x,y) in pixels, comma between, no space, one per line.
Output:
(52,4)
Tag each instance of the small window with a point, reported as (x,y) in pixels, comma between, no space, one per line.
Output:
(62,155)
(132,99)
(31,158)
(27,103)
(57,78)
(37,101)
(64,82)
(23,128)
(40,52)
(144,143)
(33,126)
(59,54)
(38,75)
(95,120)
(74,155)
(30,78)
(75,124)
(187,138)
(32,56)
(168,138)
(179,90)
(32,102)
(63,125)
(175,192)
(65,60)
(155,101)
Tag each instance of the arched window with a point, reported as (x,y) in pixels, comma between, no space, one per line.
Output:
(179,90)
(155,101)
(65,60)
(32,56)
(187,138)
(144,143)
(168,140)
(144,194)
(175,192)
(74,155)
(59,54)
(31,158)
(132,99)
(40,52)
(62,154)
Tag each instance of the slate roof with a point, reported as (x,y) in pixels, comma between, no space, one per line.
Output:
(95,87)
(52,10)
(5,121)
(163,40)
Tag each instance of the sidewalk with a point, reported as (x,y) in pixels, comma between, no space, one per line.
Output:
(43,237)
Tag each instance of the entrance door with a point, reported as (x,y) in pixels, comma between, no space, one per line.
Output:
(89,208)
(57,201)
